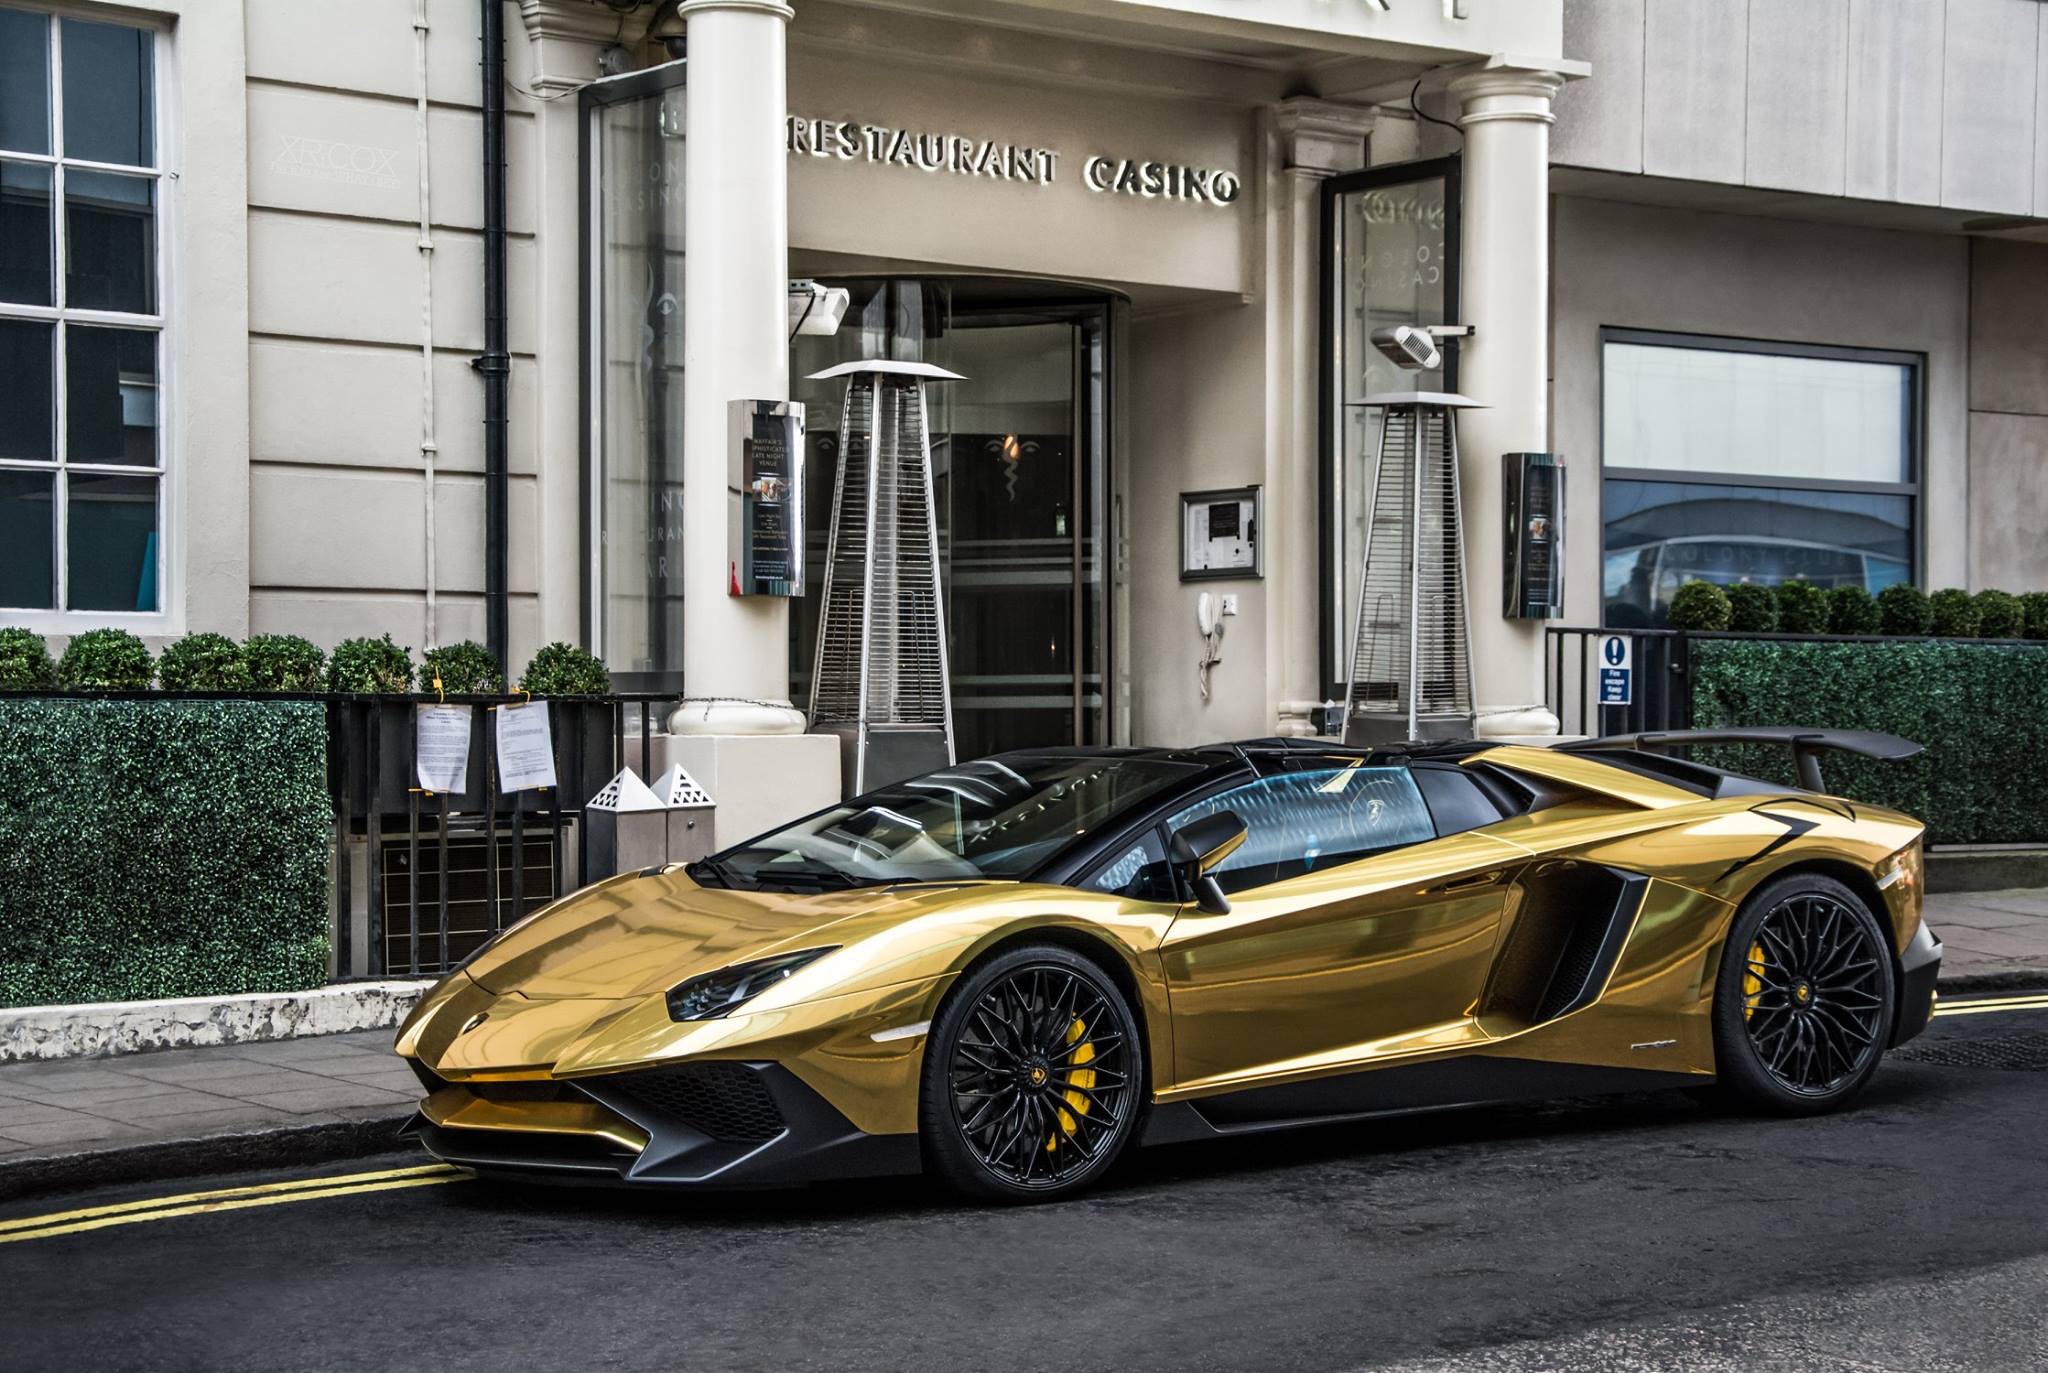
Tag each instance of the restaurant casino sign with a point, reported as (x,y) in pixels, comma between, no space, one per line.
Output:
(849,140)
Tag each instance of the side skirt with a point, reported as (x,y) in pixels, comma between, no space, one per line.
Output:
(1444,1084)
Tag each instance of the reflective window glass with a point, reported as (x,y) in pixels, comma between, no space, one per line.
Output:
(1317,818)
(24,82)
(109,94)
(26,430)
(1660,535)
(28,540)
(25,273)
(112,543)
(110,395)
(110,242)
(1686,409)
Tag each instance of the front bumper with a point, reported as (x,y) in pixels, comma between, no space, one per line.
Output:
(1919,966)
(710,1124)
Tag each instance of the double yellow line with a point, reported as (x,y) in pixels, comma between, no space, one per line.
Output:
(226,1199)
(1988,1005)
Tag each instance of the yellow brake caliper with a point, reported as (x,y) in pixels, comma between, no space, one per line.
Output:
(1752,984)
(1079,1076)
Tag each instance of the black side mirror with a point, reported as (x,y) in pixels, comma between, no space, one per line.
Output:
(1200,845)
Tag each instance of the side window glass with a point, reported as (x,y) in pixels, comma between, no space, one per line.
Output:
(1316,818)
(1139,871)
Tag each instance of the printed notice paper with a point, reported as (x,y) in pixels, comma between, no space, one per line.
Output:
(441,744)
(526,748)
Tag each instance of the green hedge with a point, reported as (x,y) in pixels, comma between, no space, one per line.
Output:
(1977,708)
(161,848)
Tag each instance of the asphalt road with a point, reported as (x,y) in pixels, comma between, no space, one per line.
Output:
(1640,1232)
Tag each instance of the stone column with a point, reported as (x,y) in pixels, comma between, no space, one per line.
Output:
(1314,141)
(1505,289)
(736,731)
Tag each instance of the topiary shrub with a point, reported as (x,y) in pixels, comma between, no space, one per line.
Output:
(1752,608)
(1852,610)
(25,662)
(203,662)
(1999,615)
(1700,606)
(1902,609)
(1802,607)
(284,662)
(466,668)
(1951,614)
(106,660)
(561,669)
(2034,606)
(370,667)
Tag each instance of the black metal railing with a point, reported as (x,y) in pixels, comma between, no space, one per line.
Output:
(445,871)
(1662,677)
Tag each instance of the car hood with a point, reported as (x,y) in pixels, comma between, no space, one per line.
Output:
(640,934)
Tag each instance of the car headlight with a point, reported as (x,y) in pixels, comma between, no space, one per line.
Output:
(711,995)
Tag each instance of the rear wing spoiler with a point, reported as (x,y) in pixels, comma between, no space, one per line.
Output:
(1807,744)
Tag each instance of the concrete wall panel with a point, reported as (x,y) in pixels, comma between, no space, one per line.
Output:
(2008,501)
(317,402)
(2009,327)
(1600,120)
(1798,95)
(1694,54)
(1894,100)
(1987,139)
(337,529)
(313,277)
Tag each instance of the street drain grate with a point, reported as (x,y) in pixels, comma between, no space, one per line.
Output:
(2017,1053)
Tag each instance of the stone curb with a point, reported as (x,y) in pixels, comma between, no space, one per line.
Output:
(281,1146)
(31,1034)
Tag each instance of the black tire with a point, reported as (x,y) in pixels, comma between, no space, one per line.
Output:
(1036,1044)
(1804,1001)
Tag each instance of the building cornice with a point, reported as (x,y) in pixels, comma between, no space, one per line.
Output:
(567,36)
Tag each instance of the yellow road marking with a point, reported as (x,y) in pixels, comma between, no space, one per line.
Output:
(1989,1005)
(226,1199)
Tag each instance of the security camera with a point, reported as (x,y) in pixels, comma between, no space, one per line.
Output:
(1409,347)
(816,309)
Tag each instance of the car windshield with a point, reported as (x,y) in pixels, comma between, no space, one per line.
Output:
(995,818)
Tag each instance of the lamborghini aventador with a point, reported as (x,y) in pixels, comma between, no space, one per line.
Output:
(1008,971)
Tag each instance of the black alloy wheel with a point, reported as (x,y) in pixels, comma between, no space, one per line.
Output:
(1033,1077)
(1804,1006)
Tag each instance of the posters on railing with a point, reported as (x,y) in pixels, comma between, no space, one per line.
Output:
(441,748)
(526,747)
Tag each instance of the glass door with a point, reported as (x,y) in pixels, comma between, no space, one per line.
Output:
(1020,475)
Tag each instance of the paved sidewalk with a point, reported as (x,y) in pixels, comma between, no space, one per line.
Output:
(1991,937)
(93,1119)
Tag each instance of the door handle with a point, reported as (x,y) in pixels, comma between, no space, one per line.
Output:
(1484,879)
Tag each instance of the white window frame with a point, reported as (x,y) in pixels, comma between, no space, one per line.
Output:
(171,457)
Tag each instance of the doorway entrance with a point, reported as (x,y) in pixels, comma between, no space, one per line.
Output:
(1020,475)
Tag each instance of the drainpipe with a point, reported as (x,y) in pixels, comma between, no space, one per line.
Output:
(496,363)
(429,450)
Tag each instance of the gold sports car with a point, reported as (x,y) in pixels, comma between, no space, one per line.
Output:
(1008,971)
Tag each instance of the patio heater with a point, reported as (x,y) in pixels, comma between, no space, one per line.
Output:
(879,680)
(1411,648)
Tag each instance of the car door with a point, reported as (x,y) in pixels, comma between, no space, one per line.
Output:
(1358,927)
